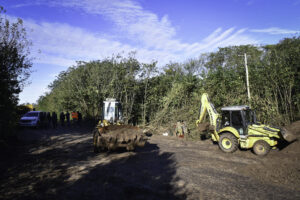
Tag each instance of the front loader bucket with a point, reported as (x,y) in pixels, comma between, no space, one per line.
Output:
(114,136)
(287,135)
(203,127)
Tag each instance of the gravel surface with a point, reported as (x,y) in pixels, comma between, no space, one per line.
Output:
(60,164)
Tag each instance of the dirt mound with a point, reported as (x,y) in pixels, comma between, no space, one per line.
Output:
(293,147)
(120,128)
(115,136)
(201,127)
(281,166)
(294,128)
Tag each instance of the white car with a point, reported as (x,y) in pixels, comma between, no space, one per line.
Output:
(32,119)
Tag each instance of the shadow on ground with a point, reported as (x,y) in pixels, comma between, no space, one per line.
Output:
(65,167)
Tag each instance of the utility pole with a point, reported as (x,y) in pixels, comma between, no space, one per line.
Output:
(247,78)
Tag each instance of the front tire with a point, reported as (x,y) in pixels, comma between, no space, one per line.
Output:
(261,148)
(228,143)
(130,147)
(96,141)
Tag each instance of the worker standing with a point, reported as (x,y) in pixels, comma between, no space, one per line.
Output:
(49,119)
(79,118)
(62,118)
(54,120)
(74,116)
(181,129)
(68,118)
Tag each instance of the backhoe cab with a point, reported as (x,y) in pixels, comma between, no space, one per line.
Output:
(112,112)
(238,117)
(237,127)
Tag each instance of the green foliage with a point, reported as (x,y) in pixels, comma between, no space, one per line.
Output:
(161,97)
(85,86)
(14,70)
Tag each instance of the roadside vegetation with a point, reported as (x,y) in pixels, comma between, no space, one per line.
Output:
(15,67)
(161,95)
(152,94)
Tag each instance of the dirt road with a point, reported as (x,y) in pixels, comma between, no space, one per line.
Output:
(61,164)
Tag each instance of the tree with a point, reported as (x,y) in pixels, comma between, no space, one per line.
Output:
(14,69)
(161,97)
(147,71)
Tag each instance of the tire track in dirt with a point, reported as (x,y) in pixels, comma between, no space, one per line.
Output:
(61,164)
(213,174)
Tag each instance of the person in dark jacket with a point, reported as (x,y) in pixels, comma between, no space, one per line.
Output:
(62,118)
(68,118)
(49,119)
(54,120)
(79,117)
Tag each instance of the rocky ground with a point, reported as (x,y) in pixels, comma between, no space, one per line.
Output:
(60,164)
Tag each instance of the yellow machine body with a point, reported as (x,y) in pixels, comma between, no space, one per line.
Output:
(240,122)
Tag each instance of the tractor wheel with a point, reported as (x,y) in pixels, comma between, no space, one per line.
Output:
(130,146)
(141,143)
(261,148)
(228,143)
(94,136)
(96,141)
(96,148)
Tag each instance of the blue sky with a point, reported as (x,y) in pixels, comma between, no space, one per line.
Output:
(66,31)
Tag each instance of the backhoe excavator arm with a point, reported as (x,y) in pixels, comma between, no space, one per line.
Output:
(207,106)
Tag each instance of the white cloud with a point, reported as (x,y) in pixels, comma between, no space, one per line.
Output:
(152,37)
(62,44)
(53,75)
(296,2)
(249,3)
(275,31)
(31,93)
(145,26)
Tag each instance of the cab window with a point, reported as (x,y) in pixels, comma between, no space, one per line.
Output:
(225,118)
(236,118)
(249,117)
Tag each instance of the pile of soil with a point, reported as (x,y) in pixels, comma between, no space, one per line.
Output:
(294,128)
(121,132)
(294,147)
(61,164)
(203,127)
(281,166)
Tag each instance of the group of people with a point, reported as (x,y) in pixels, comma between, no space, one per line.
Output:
(64,117)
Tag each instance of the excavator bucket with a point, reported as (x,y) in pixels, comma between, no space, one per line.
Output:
(110,133)
(203,126)
(115,136)
(287,135)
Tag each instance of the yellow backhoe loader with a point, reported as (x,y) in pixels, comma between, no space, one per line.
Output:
(237,127)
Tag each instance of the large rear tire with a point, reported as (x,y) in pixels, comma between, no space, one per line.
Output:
(96,148)
(96,141)
(228,143)
(261,148)
(130,147)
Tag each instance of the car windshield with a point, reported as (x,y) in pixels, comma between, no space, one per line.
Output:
(31,114)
